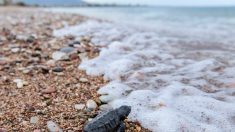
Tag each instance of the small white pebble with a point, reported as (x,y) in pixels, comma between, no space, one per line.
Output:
(79,106)
(53,127)
(91,104)
(84,80)
(90,119)
(19,84)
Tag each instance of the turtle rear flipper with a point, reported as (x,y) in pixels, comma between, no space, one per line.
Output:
(121,127)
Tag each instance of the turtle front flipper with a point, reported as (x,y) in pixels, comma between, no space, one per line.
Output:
(121,127)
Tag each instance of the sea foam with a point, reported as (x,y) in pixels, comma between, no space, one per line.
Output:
(172,84)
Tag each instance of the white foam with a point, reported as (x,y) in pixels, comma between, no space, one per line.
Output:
(169,88)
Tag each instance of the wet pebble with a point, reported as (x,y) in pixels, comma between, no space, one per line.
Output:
(58,69)
(30,39)
(53,127)
(106,98)
(74,43)
(67,50)
(91,104)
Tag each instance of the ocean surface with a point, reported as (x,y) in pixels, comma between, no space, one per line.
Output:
(174,65)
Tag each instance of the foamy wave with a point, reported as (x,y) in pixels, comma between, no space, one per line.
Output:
(172,84)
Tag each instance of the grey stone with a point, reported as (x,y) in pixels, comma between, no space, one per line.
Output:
(58,69)
(105,107)
(67,50)
(34,120)
(91,104)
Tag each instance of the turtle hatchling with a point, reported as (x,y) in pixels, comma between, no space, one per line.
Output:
(110,121)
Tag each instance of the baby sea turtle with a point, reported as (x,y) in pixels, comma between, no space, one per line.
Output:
(110,121)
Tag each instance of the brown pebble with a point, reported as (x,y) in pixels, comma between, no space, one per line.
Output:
(49,90)
(37,130)
(73,56)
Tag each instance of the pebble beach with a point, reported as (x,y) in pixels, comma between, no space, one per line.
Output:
(41,87)
(61,67)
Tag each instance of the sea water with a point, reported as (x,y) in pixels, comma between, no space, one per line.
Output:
(175,66)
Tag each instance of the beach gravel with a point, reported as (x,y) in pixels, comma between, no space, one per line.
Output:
(41,100)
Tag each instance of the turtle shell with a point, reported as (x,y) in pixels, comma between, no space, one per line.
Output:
(105,122)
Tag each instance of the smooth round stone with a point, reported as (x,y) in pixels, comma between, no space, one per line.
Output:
(15,50)
(83,80)
(91,104)
(79,106)
(67,50)
(58,55)
(19,84)
(30,39)
(49,90)
(26,71)
(106,98)
(83,56)
(58,69)
(53,127)
(51,63)
(34,120)
(105,107)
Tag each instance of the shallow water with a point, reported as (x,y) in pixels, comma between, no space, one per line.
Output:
(177,71)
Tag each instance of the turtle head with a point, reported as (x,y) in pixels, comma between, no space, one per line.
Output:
(123,111)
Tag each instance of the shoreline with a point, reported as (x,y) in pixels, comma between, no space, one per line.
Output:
(36,89)
(160,74)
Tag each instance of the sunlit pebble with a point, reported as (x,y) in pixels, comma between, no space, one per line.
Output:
(37,130)
(24,123)
(15,50)
(20,83)
(58,55)
(53,127)
(91,104)
(90,119)
(84,80)
(79,106)
(34,120)
(51,63)
(49,90)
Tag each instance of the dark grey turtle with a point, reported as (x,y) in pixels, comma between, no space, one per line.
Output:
(110,121)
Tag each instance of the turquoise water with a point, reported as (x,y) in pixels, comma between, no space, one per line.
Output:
(197,23)
(157,13)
